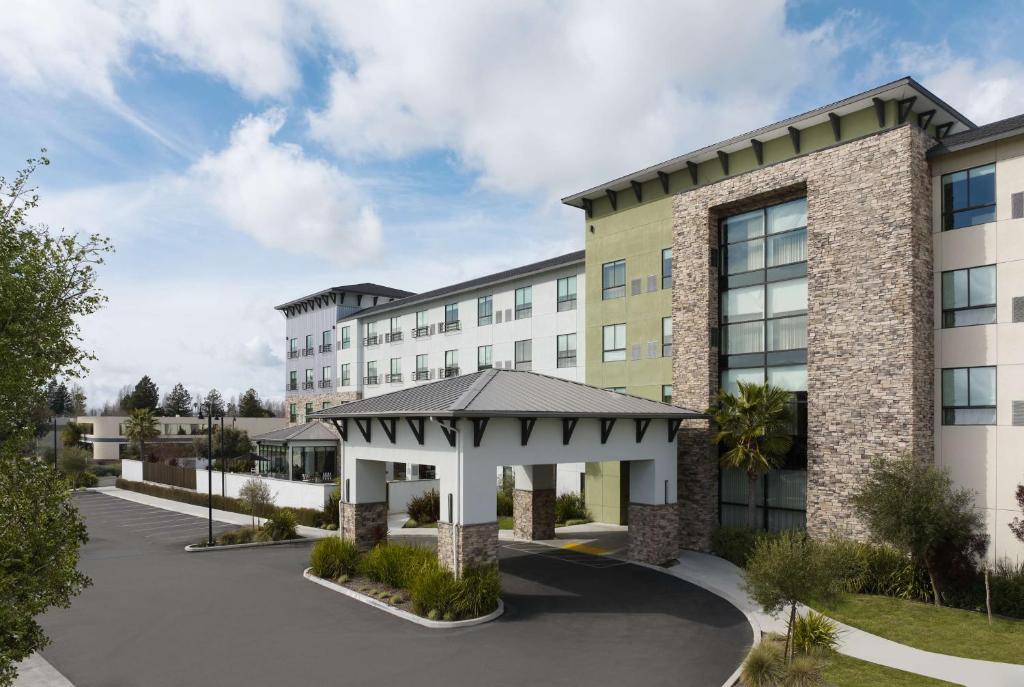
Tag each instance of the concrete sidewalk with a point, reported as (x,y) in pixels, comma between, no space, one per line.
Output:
(724,579)
(36,671)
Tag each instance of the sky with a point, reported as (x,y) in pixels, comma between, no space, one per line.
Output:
(240,155)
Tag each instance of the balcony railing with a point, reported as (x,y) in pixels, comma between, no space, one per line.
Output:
(293,354)
(420,331)
(325,383)
(291,386)
(445,372)
(371,340)
(307,351)
(393,336)
(393,378)
(307,385)
(453,326)
(372,380)
(325,348)
(420,375)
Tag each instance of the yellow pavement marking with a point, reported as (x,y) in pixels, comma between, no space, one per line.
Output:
(586,548)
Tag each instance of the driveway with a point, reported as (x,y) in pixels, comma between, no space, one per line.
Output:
(159,616)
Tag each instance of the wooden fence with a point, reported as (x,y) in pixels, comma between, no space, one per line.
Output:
(169,474)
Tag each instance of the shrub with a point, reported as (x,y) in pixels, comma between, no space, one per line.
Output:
(74,461)
(331,513)
(814,633)
(106,470)
(334,557)
(433,592)
(256,498)
(1007,584)
(582,521)
(88,479)
(504,504)
(735,544)
(478,592)
(878,569)
(804,671)
(764,666)
(280,525)
(570,506)
(243,535)
(426,507)
(396,565)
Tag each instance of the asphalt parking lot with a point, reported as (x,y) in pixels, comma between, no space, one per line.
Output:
(159,616)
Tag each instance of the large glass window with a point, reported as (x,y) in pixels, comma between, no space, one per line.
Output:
(613,280)
(566,293)
(969,296)
(566,350)
(524,354)
(666,268)
(666,337)
(614,342)
(765,238)
(484,310)
(524,302)
(775,313)
(483,358)
(969,197)
(969,396)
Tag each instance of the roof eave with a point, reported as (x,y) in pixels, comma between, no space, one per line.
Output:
(942,148)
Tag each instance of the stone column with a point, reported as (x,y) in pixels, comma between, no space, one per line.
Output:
(533,502)
(653,511)
(363,511)
(461,546)
(467,535)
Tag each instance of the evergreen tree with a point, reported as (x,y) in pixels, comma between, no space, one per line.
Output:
(232,409)
(77,400)
(178,402)
(249,405)
(145,395)
(216,402)
(58,398)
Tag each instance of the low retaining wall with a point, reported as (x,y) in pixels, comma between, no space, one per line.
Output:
(286,493)
(131,470)
(401,491)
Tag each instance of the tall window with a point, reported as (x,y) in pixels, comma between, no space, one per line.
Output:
(666,337)
(524,354)
(325,374)
(346,374)
(566,350)
(371,334)
(293,345)
(451,313)
(346,337)
(308,384)
(969,197)
(451,363)
(484,310)
(666,268)
(395,372)
(969,296)
(666,393)
(969,396)
(308,409)
(309,345)
(422,369)
(325,405)
(371,372)
(421,322)
(293,411)
(325,341)
(483,358)
(524,302)
(614,342)
(395,328)
(613,280)
(566,293)
(293,380)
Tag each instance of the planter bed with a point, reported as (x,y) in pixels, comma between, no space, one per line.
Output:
(196,548)
(394,601)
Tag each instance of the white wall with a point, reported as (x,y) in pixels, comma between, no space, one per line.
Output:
(293,494)
(400,492)
(131,470)
(985,459)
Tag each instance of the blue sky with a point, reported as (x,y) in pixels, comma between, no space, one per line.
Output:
(241,155)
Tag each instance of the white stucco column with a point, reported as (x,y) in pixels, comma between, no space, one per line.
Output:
(364,508)
(467,533)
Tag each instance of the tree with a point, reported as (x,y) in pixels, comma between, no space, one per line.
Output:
(40,541)
(756,426)
(236,443)
(77,400)
(912,505)
(232,409)
(141,427)
(787,570)
(73,462)
(178,402)
(58,398)
(72,434)
(145,395)
(1017,526)
(216,402)
(249,405)
(256,498)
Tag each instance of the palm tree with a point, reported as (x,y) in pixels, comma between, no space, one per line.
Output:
(756,427)
(141,425)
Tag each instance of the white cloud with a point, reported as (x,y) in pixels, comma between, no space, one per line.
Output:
(552,97)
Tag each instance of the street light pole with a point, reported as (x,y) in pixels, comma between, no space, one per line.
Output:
(223,460)
(55,441)
(209,469)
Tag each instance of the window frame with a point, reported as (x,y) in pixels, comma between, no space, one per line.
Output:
(949,313)
(527,362)
(565,302)
(449,309)
(346,337)
(666,398)
(345,375)
(372,376)
(666,276)
(949,215)
(666,337)
(484,362)
(394,370)
(616,351)
(485,303)
(949,409)
(562,357)
(613,291)
(451,362)
(524,309)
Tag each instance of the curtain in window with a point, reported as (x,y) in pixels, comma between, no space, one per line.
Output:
(787,334)
(745,337)
(788,248)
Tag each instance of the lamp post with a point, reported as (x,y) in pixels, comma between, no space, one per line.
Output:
(223,460)
(209,466)
(55,441)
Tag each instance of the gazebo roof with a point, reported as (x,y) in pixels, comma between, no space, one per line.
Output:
(506,393)
(309,431)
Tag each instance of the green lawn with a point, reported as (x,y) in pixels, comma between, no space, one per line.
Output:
(942,630)
(846,671)
(504,523)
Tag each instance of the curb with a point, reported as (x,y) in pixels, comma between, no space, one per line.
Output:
(405,615)
(197,548)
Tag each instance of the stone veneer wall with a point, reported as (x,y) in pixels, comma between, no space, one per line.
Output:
(533,514)
(476,544)
(653,532)
(300,399)
(870,317)
(364,523)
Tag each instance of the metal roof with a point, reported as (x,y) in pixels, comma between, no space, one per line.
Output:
(924,100)
(366,288)
(309,431)
(497,277)
(1004,128)
(506,393)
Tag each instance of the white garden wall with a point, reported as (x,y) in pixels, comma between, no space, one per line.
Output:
(286,493)
(400,492)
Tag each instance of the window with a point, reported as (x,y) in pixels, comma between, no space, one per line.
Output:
(325,342)
(346,374)
(613,280)
(969,296)
(524,302)
(308,384)
(325,377)
(308,410)
(395,329)
(766,238)
(309,345)
(325,405)
(451,312)
(566,350)
(293,412)
(765,317)
(666,337)
(422,370)
(666,393)
(451,363)
(566,294)
(969,197)
(293,348)
(421,319)
(370,338)
(371,372)
(346,337)
(483,358)
(524,354)
(293,380)
(666,268)
(969,396)
(395,371)
(484,310)
(614,342)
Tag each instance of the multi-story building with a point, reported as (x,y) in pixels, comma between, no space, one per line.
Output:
(864,255)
